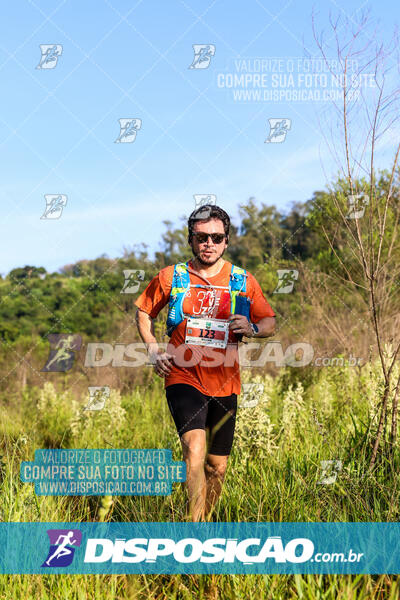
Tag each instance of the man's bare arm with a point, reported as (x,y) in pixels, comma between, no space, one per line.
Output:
(159,358)
(240,325)
(145,326)
(266,327)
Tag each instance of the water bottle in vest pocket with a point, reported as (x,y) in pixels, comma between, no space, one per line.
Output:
(242,307)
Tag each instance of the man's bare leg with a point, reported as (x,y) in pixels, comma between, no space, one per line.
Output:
(215,469)
(194,451)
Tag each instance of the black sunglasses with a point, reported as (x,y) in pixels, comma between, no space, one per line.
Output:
(217,238)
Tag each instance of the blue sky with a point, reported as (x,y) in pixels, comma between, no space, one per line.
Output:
(131,60)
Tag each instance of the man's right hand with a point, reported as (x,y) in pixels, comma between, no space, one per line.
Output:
(161,362)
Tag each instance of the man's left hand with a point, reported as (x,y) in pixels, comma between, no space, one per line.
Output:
(240,324)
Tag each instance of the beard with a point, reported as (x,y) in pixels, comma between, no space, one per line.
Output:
(207,261)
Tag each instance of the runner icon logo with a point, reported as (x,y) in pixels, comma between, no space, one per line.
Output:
(62,352)
(63,543)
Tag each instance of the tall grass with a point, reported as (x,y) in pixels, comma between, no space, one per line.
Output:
(302,418)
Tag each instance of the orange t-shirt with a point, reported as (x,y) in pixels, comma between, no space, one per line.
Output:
(213,371)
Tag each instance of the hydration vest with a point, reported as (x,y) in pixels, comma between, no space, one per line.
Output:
(181,284)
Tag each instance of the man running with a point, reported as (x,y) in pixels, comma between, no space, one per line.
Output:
(212,304)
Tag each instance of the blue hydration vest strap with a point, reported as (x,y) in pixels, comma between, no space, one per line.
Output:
(240,304)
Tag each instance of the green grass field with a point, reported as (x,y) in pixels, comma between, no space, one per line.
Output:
(303,417)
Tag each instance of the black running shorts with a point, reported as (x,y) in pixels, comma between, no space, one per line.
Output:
(191,409)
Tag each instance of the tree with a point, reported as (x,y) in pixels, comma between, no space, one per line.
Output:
(359,217)
(26,272)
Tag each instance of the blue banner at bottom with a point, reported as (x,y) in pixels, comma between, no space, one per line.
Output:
(155,548)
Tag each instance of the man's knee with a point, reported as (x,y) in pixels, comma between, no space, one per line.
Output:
(194,448)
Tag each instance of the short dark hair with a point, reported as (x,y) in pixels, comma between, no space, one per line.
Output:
(205,213)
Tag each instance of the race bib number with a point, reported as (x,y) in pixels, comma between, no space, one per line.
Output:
(207,332)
